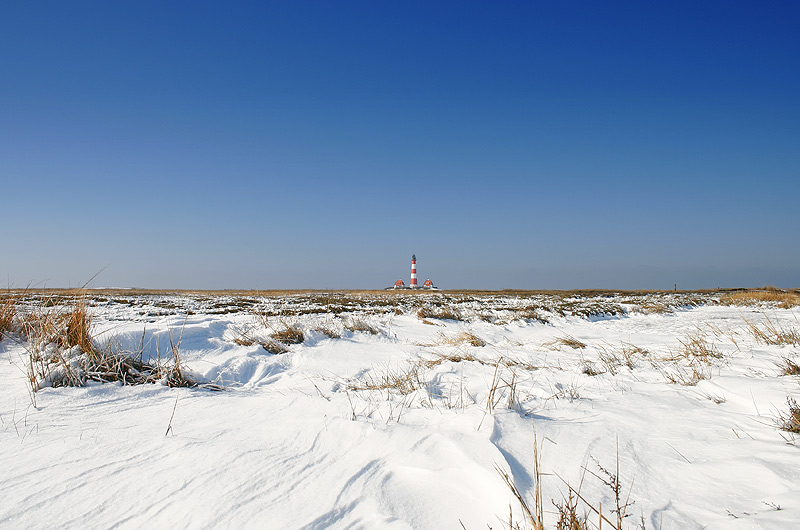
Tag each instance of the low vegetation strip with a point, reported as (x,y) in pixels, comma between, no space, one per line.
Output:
(785,299)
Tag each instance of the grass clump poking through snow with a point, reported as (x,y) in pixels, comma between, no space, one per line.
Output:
(458,357)
(274,347)
(566,340)
(568,516)
(246,338)
(442,313)
(691,362)
(65,328)
(613,357)
(329,331)
(77,327)
(687,376)
(774,334)
(469,338)
(532,313)
(790,422)
(465,337)
(359,324)
(276,343)
(789,367)
(62,352)
(289,335)
(535,516)
(402,381)
(696,347)
(8,316)
(129,368)
(243,340)
(503,387)
(653,307)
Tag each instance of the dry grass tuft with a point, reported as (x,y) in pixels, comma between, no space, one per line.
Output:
(462,356)
(67,328)
(129,368)
(653,308)
(783,299)
(453,358)
(503,385)
(402,381)
(8,316)
(244,340)
(328,330)
(532,313)
(441,313)
(566,340)
(774,334)
(248,336)
(62,353)
(695,348)
(359,324)
(613,357)
(716,398)
(790,421)
(591,369)
(691,362)
(535,516)
(569,391)
(77,327)
(568,518)
(465,337)
(289,335)
(630,351)
(274,347)
(471,339)
(789,367)
(687,376)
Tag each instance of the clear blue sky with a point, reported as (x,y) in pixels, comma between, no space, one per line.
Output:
(319,144)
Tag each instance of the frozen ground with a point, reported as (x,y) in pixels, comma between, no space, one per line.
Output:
(404,428)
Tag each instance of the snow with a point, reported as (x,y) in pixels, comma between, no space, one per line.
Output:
(311,439)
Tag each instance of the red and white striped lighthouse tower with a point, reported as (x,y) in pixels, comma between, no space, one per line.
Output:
(413,284)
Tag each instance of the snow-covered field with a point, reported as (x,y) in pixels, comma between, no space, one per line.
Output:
(407,427)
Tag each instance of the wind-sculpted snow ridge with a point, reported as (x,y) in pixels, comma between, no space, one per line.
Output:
(396,409)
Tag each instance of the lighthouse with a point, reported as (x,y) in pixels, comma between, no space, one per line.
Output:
(428,285)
